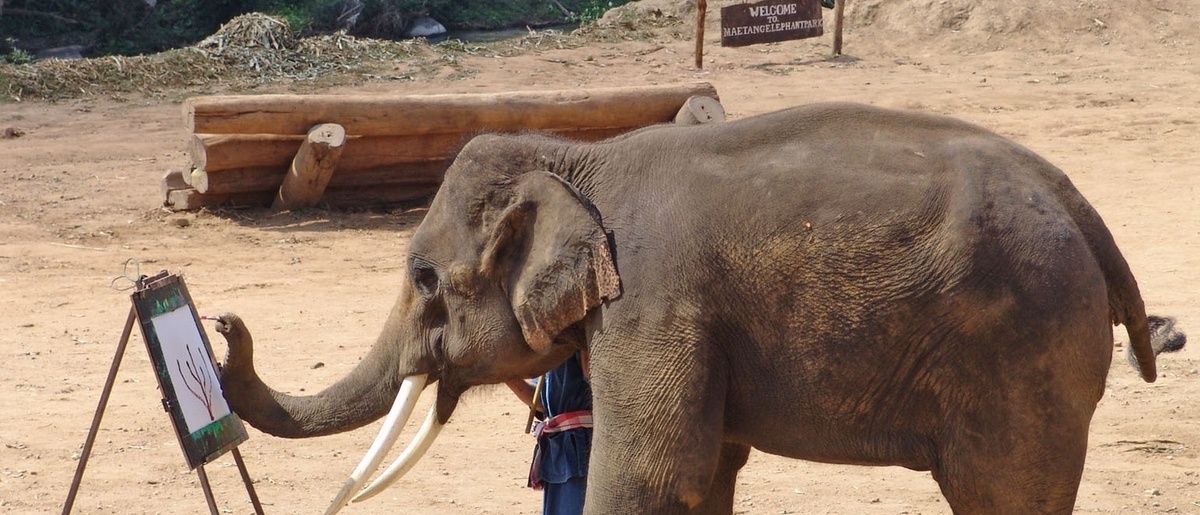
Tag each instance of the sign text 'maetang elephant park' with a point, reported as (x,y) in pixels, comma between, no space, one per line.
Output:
(770,21)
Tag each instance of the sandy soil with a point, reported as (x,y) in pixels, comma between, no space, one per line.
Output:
(1112,100)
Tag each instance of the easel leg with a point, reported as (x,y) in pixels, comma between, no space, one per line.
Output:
(104,394)
(208,495)
(241,465)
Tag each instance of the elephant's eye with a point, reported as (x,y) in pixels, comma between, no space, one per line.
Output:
(426,281)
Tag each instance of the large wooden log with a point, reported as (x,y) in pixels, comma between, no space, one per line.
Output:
(271,178)
(377,115)
(312,168)
(189,199)
(217,152)
(173,180)
(387,160)
(226,151)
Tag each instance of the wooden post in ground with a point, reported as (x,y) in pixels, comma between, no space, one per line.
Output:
(839,10)
(701,9)
(312,168)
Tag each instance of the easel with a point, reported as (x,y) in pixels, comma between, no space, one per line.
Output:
(143,283)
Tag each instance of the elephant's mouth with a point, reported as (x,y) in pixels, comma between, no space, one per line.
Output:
(448,389)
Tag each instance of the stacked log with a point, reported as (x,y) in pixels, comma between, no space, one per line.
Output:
(396,148)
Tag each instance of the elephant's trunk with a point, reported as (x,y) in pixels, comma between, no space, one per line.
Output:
(362,396)
(359,398)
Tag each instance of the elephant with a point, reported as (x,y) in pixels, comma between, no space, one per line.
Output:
(833,282)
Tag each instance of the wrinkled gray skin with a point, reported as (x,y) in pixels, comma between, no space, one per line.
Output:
(835,282)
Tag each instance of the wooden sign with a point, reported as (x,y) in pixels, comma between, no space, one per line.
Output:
(186,371)
(770,21)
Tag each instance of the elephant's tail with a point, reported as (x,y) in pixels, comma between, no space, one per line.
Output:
(1125,304)
(1126,308)
(1163,337)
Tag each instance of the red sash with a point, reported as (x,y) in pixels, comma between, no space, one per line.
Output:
(556,424)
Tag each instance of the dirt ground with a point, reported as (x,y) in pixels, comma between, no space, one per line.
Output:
(1105,90)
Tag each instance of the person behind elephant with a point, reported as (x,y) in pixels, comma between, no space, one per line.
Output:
(564,435)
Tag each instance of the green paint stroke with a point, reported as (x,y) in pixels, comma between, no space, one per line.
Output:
(167,305)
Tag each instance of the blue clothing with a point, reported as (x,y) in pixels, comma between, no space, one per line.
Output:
(564,498)
(564,461)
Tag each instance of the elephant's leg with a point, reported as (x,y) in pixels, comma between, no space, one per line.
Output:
(659,429)
(720,496)
(1030,466)
(1016,444)
(640,470)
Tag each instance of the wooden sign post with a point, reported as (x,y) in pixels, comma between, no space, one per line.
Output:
(701,11)
(839,11)
(186,372)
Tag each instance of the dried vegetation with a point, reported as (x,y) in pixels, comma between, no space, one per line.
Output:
(255,50)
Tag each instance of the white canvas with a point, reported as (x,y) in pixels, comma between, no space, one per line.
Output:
(193,376)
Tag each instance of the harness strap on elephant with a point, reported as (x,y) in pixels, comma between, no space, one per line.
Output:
(556,424)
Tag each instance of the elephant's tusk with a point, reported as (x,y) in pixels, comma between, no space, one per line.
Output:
(411,455)
(402,409)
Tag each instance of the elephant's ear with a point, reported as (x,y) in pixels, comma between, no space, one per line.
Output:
(552,256)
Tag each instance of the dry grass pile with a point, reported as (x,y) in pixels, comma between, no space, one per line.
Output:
(248,32)
(57,79)
(626,23)
(250,50)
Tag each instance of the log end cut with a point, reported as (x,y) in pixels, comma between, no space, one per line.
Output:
(700,109)
(312,167)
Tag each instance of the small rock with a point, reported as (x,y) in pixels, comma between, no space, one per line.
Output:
(424,26)
(181,222)
(1153,491)
(318,365)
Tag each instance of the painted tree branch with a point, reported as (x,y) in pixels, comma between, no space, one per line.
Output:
(203,387)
